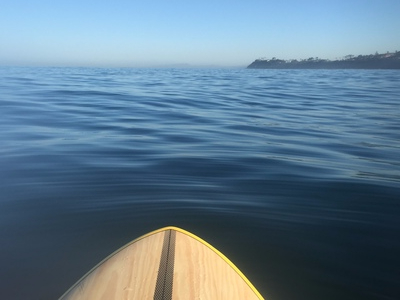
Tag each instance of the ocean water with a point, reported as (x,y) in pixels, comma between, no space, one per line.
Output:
(293,174)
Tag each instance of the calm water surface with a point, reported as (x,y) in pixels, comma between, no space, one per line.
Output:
(293,174)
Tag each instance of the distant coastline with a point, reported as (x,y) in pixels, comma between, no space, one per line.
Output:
(372,61)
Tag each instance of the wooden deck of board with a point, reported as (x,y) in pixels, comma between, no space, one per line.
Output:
(141,270)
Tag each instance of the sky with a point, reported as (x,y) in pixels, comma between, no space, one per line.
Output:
(156,33)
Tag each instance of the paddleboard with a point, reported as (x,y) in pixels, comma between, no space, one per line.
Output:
(165,264)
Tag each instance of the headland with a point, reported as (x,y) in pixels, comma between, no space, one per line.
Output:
(373,61)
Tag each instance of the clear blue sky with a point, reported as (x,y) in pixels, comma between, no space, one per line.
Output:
(225,33)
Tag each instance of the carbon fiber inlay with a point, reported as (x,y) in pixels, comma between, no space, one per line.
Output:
(165,275)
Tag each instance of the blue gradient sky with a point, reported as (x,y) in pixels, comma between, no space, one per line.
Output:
(128,33)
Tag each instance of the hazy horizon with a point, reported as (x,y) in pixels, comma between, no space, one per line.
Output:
(206,34)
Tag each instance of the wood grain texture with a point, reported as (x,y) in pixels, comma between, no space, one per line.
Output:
(198,271)
(130,273)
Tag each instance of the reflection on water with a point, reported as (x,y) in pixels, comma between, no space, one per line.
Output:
(294,175)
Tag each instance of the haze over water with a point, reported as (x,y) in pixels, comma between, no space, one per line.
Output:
(293,174)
